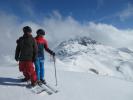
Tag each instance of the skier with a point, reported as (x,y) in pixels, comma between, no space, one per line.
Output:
(26,52)
(39,62)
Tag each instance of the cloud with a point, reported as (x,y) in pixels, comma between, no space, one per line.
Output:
(63,28)
(123,15)
(59,28)
(110,35)
(126,13)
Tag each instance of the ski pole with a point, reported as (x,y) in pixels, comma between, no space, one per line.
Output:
(55,70)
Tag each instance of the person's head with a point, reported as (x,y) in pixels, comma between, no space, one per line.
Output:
(27,30)
(40,32)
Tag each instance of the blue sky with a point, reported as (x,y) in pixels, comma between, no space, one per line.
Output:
(106,21)
(114,12)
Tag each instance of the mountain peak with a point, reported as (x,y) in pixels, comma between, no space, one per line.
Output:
(85,54)
(84,40)
(75,46)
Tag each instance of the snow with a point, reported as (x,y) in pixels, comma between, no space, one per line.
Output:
(71,86)
(86,70)
(81,55)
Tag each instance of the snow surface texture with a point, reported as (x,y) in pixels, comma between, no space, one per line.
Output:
(110,69)
(71,86)
(87,55)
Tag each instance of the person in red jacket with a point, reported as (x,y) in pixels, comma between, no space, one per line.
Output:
(26,52)
(39,62)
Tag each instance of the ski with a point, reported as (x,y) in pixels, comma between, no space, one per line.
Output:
(20,77)
(42,91)
(36,89)
(39,89)
(51,88)
(46,89)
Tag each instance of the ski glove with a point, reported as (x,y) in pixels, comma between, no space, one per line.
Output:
(53,53)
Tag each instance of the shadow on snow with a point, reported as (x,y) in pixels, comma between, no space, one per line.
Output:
(11,82)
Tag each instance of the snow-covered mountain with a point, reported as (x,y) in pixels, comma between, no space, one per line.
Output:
(87,55)
(81,54)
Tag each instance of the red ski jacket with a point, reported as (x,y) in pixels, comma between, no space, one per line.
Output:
(42,44)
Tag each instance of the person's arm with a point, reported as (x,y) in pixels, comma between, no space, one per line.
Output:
(47,49)
(17,51)
(35,50)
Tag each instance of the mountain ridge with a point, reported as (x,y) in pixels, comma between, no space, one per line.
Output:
(88,55)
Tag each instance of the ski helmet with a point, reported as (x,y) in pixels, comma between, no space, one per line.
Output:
(40,32)
(27,29)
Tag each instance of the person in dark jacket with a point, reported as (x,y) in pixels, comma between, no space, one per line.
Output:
(39,62)
(26,53)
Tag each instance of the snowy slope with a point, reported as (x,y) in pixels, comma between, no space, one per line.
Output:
(110,79)
(87,55)
(72,86)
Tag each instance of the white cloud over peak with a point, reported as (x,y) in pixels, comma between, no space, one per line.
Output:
(67,27)
(59,28)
